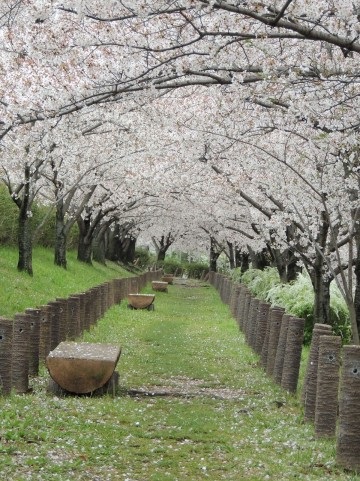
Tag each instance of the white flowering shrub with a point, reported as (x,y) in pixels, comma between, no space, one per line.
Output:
(297,298)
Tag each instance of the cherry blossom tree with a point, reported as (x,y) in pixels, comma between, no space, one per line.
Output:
(26,155)
(246,115)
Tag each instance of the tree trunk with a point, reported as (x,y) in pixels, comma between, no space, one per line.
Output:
(281,268)
(214,255)
(88,227)
(245,262)
(60,249)
(24,243)
(259,260)
(101,242)
(293,269)
(161,254)
(113,244)
(284,259)
(356,311)
(84,245)
(231,255)
(321,285)
(121,245)
(163,245)
(286,265)
(84,250)
(128,250)
(242,260)
(98,247)
(24,228)
(60,236)
(319,278)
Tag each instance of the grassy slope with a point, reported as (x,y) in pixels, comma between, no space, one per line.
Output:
(18,291)
(222,420)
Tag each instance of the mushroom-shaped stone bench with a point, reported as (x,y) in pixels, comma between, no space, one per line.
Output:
(168,278)
(82,367)
(141,301)
(159,286)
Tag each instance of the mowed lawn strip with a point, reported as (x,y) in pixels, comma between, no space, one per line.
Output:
(193,404)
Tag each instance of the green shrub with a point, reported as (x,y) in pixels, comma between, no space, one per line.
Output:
(43,225)
(236,275)
(196,269)
(297,298)
(339,315)
(9,214)
(41,216)
(171,266)
(143,257)
(261,281)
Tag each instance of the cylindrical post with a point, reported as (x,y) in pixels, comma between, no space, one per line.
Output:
(34,341)
(263,315)
(45,332)
(54,317)
(63,318)
(6,344)
(241,306)
(326,407)
(20,354)
(235,292)
(310,381)
(348,437)
(74,316)
(253,320)
(280,352)
(292,356)
(246,313)
(275,326)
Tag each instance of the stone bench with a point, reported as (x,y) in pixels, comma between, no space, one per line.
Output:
(159,286)
(82,367)
(168,278)
(141,301)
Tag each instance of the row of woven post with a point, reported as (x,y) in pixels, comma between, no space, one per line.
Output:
(331,389)
(27,339)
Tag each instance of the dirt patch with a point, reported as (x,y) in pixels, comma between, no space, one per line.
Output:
(188,388)
(182,282)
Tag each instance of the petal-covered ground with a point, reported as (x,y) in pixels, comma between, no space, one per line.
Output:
(192,404)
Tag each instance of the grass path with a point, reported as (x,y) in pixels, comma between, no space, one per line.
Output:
(193,405)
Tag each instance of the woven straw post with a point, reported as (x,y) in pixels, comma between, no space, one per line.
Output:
(82,313)
(261,328)
(63,318)
(326,405)
(34,344)
(253,320)
(6,343)
(235,292)
(74,316)
(275,326)
(348,437)
(246,314)
(54,314)
(45,332)
(292,356)
(280,352)
(241,305)
(20,354)
(310,381)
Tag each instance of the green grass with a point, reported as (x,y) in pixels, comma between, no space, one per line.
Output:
(19,291)
(193,405)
